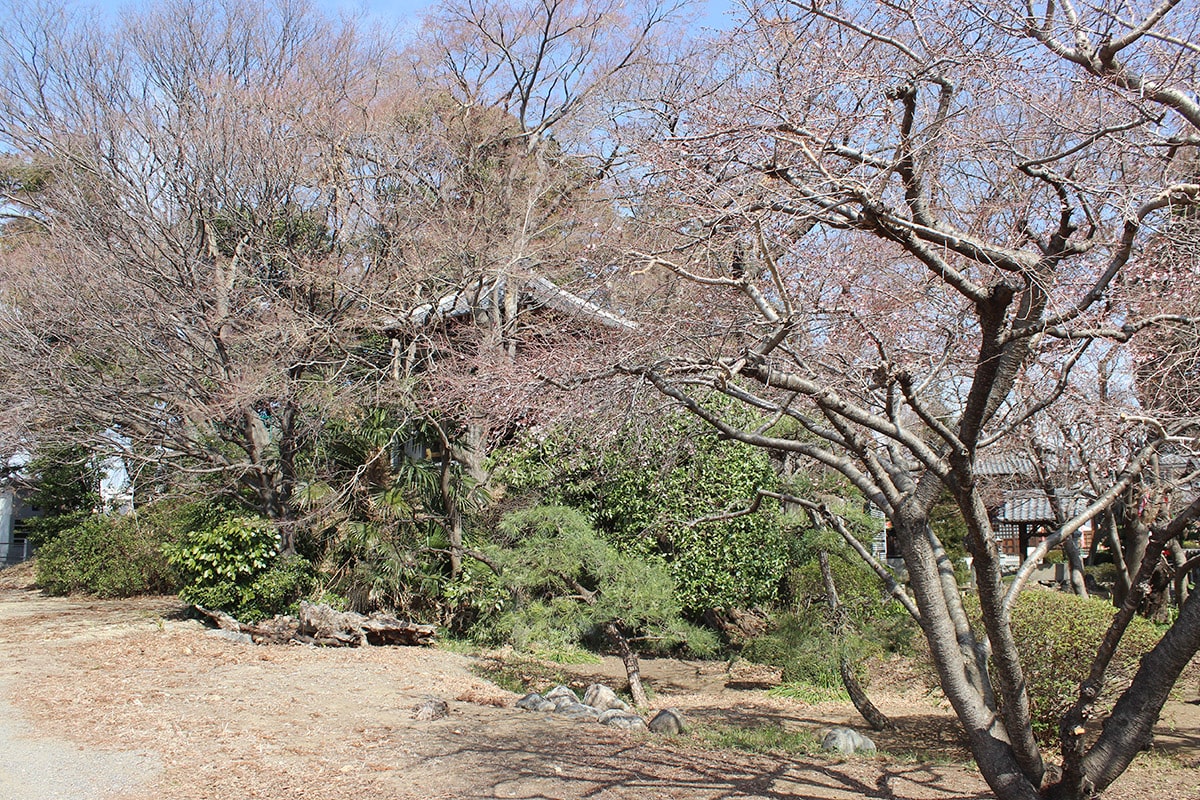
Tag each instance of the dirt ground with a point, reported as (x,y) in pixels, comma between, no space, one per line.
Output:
(127,699)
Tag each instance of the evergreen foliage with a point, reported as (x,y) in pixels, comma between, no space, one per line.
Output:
(231,563)
(642,492)
(567,583)
(801,639)
(1056,634)
(383,538)
(65,490)
(106,556)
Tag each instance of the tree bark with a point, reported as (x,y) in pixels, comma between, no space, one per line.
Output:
(1129,726)
(1074,561)
(629,658)
(989,740)
(320,624)
(453,518)
(1124,580)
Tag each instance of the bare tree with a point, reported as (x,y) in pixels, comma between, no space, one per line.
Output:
(180,280)
(226,224)
(902,213)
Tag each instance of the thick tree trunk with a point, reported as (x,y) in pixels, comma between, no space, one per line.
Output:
(453,518)
(1183,574)
(629,658)
(270,482)
(1124,580)
(1154,605)
(1134,536)
(1016,710)
(988,738)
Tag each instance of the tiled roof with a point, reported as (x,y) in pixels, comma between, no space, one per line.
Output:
(999,464)
(1035,507)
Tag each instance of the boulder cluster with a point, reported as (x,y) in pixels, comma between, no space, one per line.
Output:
(600,704)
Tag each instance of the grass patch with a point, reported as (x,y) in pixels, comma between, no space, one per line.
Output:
(808,693)
(462,647)
(771,739)
(519,674)
(565,655)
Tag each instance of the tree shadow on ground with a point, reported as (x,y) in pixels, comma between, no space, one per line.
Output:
(549,758)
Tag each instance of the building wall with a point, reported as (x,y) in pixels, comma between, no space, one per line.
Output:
(6,523)
(13,549)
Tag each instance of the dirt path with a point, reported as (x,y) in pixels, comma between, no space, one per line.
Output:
(126,700)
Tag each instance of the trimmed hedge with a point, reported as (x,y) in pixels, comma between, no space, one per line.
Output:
(106,557)
(1057,635)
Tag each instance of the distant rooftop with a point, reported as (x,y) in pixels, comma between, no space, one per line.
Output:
(999,464)
(1034,506)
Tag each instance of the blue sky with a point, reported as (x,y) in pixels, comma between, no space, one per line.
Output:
(407,12)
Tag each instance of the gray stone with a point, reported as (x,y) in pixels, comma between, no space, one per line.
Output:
(233,636)
(431,709)
(562,701)
(579,711)
(618,718)
(847,742)
(561,691)
(600,696)
(669,721)
(535,702)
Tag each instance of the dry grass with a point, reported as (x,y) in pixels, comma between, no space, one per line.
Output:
(229,721)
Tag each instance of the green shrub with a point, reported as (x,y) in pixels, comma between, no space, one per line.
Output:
(801,645)
(234,566)
(561,561)
(107,557)
(1105,574)
(1057,635)
(641,492)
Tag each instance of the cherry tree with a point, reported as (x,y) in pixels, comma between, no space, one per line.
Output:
(902,214)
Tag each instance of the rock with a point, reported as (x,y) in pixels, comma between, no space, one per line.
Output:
(669,721)
(579,711)
(431,709)
(618,718)
(233,636)
(561,691)
(561,697)
(600,696)
(562,701)
(847,742)
(535,702)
